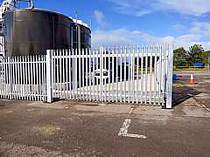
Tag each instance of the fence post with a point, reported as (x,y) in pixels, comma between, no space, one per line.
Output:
(10,78)
(101,74)
(49,75)
(169,78)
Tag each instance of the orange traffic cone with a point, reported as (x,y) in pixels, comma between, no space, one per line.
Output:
(192,81)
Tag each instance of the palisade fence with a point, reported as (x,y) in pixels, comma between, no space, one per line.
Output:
(125,75)
(23,78)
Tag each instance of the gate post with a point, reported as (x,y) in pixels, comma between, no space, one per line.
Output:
(169,78)
(49,75)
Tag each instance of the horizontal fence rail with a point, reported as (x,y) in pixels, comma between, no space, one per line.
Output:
(124,75)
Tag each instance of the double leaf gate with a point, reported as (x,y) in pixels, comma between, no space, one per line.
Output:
(125,75)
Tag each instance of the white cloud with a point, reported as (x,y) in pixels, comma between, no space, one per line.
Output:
(134,7)
(187,38)
(202,28)
(120,37)
(100,18)
(142,12)
(190,7)
(125,37)
(179,27)
(142,7)
(197,32)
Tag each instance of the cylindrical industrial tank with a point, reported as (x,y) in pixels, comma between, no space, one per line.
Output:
(33,31)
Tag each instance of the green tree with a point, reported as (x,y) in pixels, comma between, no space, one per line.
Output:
(196,53)
(180,57)
(205,56)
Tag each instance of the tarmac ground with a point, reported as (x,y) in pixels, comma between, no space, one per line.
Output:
(77,129)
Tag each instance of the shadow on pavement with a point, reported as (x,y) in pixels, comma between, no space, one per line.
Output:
(182,93)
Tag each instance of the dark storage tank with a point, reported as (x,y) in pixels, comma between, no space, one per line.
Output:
(33,31)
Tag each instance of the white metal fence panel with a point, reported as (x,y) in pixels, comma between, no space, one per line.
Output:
(23,78)
(125,75)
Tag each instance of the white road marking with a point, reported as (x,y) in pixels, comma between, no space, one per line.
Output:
(131,110)
(124,131)
(136,136)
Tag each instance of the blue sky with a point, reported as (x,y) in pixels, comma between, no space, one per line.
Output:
(136,22)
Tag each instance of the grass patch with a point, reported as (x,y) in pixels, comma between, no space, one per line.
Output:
(47,130)
(191,69)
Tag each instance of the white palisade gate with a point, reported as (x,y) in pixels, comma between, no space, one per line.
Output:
(125,75)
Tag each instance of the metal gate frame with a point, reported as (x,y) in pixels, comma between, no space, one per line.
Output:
(82,57)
